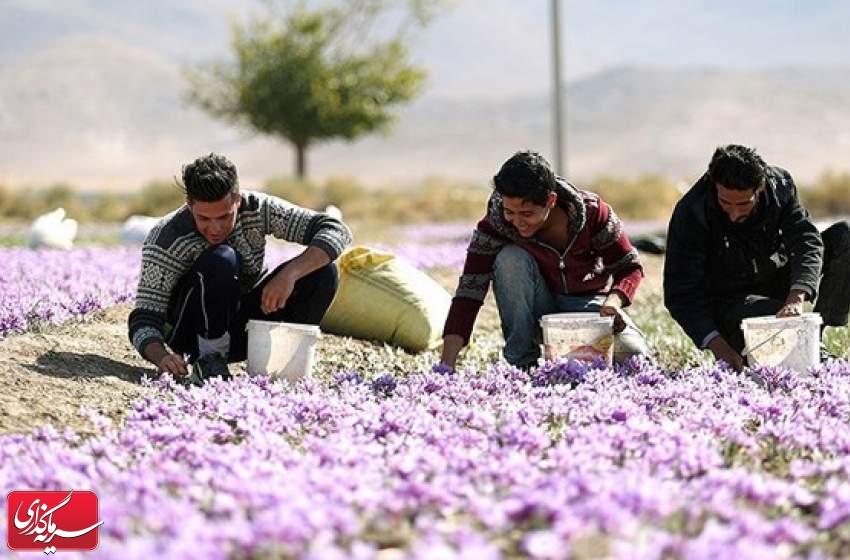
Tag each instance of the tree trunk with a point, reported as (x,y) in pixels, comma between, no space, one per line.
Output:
(301,161)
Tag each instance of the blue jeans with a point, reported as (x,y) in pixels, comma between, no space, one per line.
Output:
(523,297)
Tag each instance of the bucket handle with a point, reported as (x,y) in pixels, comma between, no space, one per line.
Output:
(748,351)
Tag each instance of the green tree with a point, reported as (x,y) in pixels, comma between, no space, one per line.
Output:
(312,74)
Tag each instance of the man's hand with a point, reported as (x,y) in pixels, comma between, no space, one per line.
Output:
(277,291)
(793,304)
(722,351)
(165,361)
(612,307)
(173,364)
(452,343)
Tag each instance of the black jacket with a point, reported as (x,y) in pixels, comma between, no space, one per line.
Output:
(709,258)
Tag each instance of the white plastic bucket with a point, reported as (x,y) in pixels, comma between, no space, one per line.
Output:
(281,350)
(580,336)
(792,342)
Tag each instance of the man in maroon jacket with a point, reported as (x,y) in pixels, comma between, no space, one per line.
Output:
(548,247)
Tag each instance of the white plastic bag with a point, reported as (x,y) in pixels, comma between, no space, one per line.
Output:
(136,228)
(52,230)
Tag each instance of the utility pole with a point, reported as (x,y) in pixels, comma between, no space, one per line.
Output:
(557,109)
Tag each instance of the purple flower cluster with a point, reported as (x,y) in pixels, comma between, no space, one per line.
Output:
(631,462)
(438,232)
(52,286)
(384,385)
(563,371)
(462,231)
(430,255)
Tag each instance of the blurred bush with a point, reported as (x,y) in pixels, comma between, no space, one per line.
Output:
(430,200)
(829,196)
(303,193)
(63,196)
(157,198)
(5,200)
(341,191)
(109,207)
(33,202)
(644,198)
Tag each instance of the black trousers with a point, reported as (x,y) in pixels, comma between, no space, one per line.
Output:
(207,302)
(833,300)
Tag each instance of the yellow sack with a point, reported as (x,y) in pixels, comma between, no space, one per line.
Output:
(382,297)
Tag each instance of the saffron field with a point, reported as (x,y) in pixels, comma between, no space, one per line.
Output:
(51,286)
(386,455)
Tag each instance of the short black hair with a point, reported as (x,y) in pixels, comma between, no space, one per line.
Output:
(737,167)
(210,178)
(526,175)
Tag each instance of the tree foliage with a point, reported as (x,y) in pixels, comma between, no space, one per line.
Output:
(309,74)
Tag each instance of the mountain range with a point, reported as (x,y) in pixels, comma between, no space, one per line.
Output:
(99,112)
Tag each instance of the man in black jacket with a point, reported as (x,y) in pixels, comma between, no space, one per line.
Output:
(740,245)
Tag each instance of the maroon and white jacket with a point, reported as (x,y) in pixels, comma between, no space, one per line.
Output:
(599,257)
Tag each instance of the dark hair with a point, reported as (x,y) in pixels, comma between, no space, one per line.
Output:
(526,175)
(737,167)
(209,178)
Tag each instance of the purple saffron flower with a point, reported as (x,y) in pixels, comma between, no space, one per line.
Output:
(352,377)
(384,385)
(442,369)
(619,415)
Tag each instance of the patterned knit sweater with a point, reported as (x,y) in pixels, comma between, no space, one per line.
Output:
(174,244)
(598,254)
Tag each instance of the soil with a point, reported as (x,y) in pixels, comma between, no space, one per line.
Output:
(47,376)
